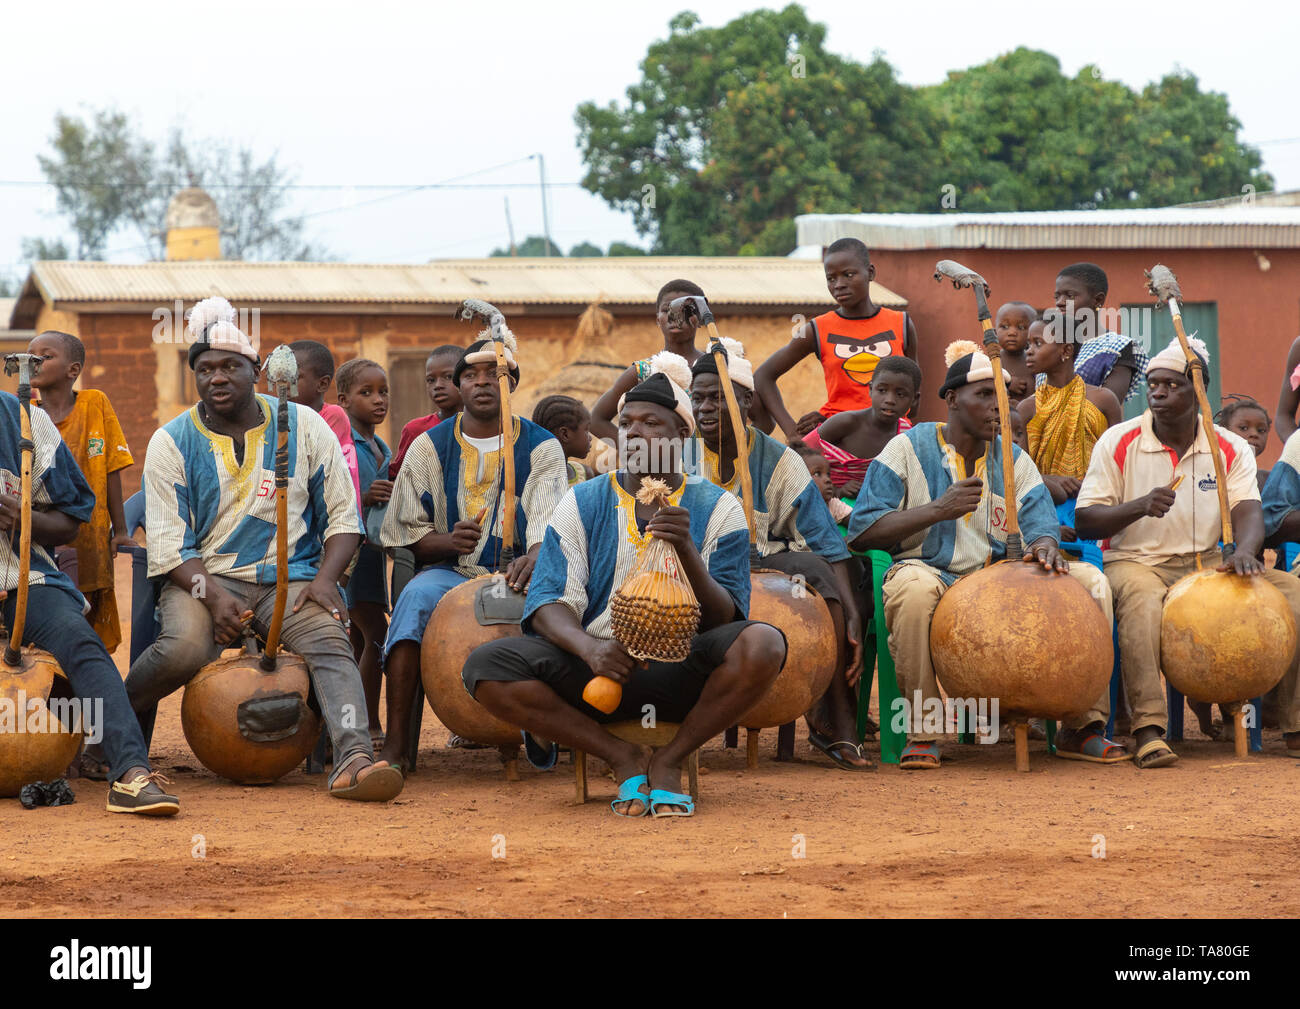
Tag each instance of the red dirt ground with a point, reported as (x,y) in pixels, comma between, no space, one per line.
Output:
(1210,836)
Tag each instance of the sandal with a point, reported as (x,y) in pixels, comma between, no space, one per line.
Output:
(820,742)
(382,784)
(663,797)
(920,757)
(456,742)
(630,791)
(1094,747)
(540,757)
(84,765)
(1156,753)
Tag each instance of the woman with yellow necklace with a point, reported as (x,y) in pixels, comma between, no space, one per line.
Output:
(1065,417)
(792,532)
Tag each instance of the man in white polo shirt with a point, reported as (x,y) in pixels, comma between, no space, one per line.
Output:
(1151,493)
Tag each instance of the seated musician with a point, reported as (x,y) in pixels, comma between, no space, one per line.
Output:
(591,547)
(794,533)
(445,508)
(209,479)
(934,499)
(62,501)
(1151,490)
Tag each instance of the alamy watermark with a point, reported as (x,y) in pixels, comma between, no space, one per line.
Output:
(38,715)
(920,716)
(1138,324)
(169,324)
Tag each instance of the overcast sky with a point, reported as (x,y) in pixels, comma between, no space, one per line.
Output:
(392,93)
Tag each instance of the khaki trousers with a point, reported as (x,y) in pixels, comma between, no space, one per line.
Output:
(1139,591)
(911,591)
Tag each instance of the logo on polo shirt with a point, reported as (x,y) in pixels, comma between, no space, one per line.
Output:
(1207,483)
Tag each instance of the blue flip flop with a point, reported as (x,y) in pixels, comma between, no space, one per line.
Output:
(629,790)
(541,759)
(663,797)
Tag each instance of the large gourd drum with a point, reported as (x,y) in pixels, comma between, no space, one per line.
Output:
(1035,640)
(456,628)
(801,614)
(28,756)
(1225,637)
(246,724)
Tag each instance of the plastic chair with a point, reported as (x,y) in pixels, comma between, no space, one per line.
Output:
(891,742)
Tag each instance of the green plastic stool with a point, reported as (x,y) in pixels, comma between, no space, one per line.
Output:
(891,742)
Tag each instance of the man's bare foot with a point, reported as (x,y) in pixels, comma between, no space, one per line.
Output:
(633,761)
(665,777)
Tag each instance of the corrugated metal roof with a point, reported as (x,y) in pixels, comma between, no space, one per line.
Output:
(631,280)
(1227,227)
(7,306)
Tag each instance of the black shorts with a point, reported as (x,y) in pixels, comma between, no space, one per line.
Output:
(814,568)
(672,687)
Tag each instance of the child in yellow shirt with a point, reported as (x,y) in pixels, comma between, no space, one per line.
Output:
(90,429)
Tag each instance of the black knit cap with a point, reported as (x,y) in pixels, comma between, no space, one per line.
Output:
(474,348)
(656,389)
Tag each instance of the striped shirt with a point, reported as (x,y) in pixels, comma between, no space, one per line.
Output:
(1129,460)
(204,503)
(917,467)
(440,483)
(593,543)
(1281,495)
(57,484)
(789,511)
(845,467)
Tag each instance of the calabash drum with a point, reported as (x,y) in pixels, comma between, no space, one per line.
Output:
(29,750)
(249,725)
(1035,640)
(1225,637)
(471,614)
(801,614)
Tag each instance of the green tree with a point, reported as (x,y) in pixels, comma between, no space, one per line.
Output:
(533,245)
(624,249)
(1017,134)
(585,249)
(733,130)
(97,168)
(40,248)
(108,179)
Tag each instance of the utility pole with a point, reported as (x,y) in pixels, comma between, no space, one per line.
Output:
(546,220)
(514,251)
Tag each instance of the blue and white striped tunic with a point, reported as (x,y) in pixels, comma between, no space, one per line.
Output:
(202,502)
(789,511)
(592,545)
(57,485)
(917,467)
(439,484)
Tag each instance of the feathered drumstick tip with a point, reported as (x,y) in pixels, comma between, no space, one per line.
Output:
(1163,284)
(653,491)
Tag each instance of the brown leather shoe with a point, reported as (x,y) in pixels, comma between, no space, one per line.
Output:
(143,794)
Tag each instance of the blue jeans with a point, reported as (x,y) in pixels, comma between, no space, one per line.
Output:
(415,605)
(54,622)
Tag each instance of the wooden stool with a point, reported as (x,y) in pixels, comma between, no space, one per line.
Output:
(633,732)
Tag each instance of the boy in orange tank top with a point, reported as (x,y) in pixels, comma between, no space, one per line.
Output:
(849,341)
